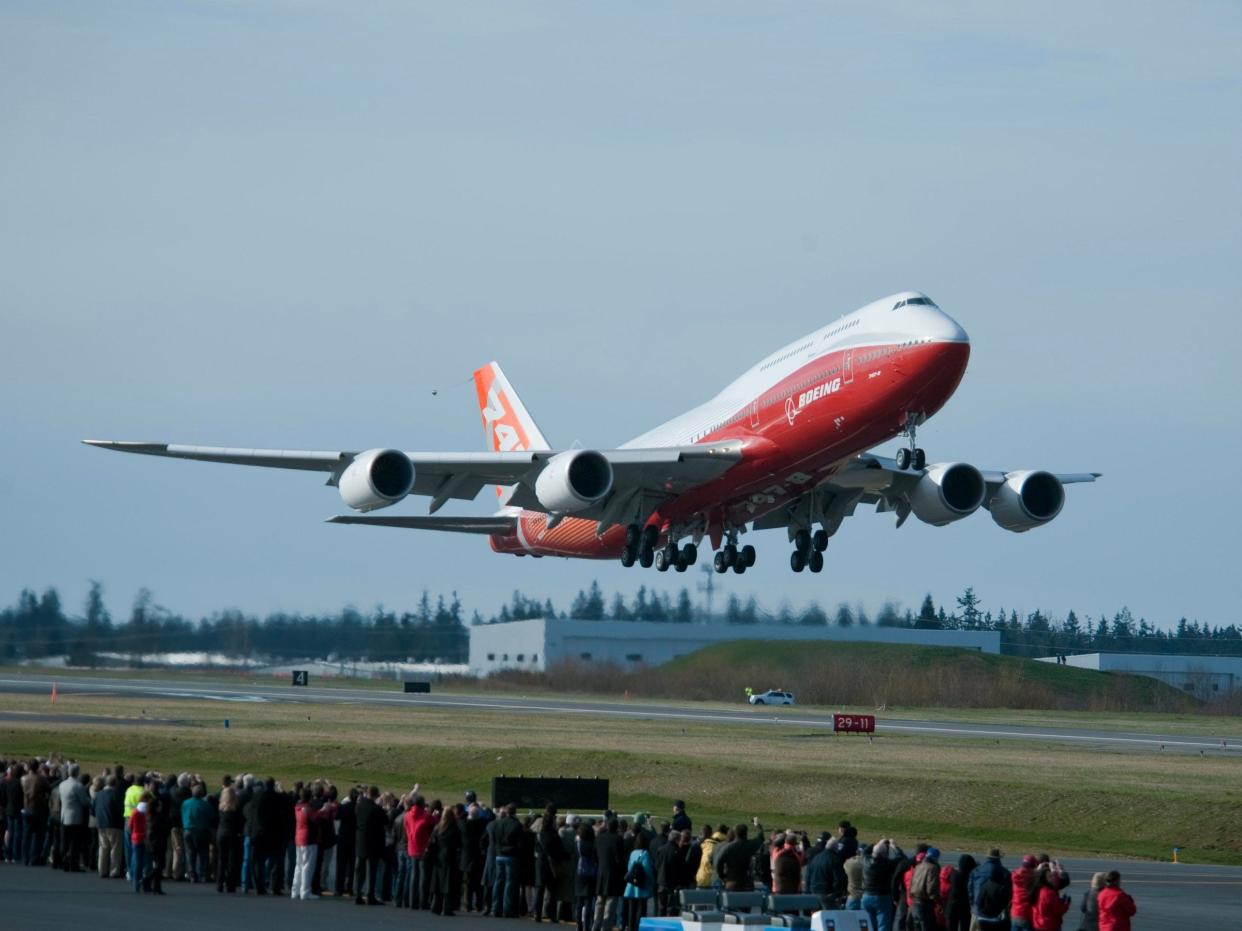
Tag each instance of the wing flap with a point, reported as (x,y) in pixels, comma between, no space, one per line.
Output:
(490,526)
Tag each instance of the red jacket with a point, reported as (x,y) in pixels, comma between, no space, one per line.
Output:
(1049,909)
(305,819)
(138,827)
(1116,909)
(1020,905)
(418,825)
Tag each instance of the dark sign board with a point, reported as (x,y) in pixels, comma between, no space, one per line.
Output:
(853,723)
(420,687)
(577,795)
(301,677)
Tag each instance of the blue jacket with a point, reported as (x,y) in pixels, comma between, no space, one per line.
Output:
(991,868)
(647,889)
(196,814)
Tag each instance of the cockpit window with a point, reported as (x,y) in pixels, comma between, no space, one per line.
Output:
(925,301)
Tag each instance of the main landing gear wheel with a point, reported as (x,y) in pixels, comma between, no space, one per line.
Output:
(646,557)
(739,567)
(689,554)
(797,562)
(627,557)
(719,563)
(662,560)
(802,540)
(819,540)
(816,562)
(911,458)
(747,554)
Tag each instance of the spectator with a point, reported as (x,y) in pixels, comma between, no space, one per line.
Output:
(670,868)
(508,840)
(925,891)
(550,857)
(1020,902)
(733,863)
(368,846)
(230,829)
(473,857)
(1048,906)
(681,821)
(853,879)
(957,910)
(586,877)
(109,818)
(444,861)
(1090,904)
(346,834)
(879,865)
(639,881)
(141,861)
(75,801)
(1116,906)
(196,826)
(705,876)
(786,870)
(418,828)
(610,886)
(176,836)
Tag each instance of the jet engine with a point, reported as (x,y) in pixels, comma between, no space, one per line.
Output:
(574,480)
(948,491)
(1027,500)
(376,479)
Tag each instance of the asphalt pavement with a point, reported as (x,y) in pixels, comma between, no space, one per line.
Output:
(41,683)
(1169,896)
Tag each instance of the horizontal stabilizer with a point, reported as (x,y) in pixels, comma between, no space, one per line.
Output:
(485,525)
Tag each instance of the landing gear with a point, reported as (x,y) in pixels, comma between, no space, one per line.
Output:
(809,550)
(689,555)
(913,456)
(731,556)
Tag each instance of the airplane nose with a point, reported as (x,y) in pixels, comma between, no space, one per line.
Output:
(939,327)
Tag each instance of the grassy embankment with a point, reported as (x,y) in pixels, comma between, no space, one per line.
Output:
(868,675)
(960,793)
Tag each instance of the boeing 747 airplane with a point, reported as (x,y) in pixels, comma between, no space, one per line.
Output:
(785,446)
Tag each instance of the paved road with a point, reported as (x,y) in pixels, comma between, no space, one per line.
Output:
(41,683)
(1168,896)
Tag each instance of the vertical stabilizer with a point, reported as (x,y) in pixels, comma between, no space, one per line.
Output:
(507,424)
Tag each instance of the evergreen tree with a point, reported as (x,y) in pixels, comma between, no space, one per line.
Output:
(968,609)
(845,617)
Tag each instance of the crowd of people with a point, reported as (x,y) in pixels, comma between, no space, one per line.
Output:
(256,836)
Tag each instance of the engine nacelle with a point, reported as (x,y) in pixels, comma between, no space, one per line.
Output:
(574,480)
(376,479)
(948,491)
(1027,500)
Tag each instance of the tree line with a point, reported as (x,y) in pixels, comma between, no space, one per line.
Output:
(38,626)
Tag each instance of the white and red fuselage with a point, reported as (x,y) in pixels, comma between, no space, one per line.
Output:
(800,414)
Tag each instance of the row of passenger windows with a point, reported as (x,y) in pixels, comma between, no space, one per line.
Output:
(520,657)
(840,329)
(782,358)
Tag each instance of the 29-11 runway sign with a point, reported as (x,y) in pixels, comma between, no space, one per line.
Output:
(853,723)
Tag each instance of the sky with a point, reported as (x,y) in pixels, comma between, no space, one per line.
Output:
(287,224)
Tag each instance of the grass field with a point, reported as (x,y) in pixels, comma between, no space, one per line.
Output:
(960,793)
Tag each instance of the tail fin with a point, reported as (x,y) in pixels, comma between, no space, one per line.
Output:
(507,424)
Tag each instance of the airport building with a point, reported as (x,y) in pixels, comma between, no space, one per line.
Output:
(537,644)
(1204,677)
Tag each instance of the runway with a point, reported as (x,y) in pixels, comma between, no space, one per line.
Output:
(1168,896)
(41,683)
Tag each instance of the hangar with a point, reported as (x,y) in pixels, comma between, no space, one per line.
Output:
(535,645)
(1204,677)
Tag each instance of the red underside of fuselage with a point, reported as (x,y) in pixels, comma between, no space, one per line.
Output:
(787,448)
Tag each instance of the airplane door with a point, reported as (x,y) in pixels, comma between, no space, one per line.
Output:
(847,367)
(754,414)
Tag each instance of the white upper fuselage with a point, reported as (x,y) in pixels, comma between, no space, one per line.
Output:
(890,321)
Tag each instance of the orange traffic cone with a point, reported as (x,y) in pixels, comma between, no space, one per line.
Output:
(53,693)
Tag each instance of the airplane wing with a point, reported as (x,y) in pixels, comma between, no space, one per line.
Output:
(638,474)
(874,480)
